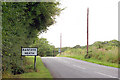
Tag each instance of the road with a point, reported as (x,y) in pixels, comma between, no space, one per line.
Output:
(63,67)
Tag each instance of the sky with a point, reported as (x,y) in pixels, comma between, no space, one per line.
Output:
(72,23)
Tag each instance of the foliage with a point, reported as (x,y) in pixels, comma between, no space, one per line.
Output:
(107,51)
(77,46)
(44,48)
(41,70)
(22,22)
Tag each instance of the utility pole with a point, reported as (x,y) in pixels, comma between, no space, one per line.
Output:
(60,42)
(52,53)
(87,28)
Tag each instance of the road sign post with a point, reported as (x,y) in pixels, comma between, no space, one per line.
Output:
(30,52)
(35,63)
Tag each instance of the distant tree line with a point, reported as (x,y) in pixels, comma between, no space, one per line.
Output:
(44,48)
(98,44)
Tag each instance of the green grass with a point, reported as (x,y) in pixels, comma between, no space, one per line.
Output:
(107,55)
(92,60)
(42,71)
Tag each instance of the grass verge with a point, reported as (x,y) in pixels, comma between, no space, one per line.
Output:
(41,70)
(92,60)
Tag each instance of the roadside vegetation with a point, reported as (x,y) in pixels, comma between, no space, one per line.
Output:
(22,22)
(41,70)
(104,53)
(44,48)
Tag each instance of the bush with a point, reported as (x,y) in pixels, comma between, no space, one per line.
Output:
(17,70)
(102,51)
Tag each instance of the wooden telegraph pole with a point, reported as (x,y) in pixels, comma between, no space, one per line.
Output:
(87,28)
(52,53)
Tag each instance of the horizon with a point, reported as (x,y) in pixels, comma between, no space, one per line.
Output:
(86,44)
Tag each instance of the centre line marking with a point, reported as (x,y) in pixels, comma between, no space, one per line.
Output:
(79,67)
(106,75)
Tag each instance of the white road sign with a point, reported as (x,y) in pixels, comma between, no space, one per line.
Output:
(29,51)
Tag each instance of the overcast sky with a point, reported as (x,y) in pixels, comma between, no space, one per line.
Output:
(72,22)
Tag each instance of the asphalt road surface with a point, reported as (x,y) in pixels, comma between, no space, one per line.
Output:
(63,67)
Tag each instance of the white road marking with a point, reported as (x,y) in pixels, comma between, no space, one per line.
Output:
(79,67)
(106,75)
